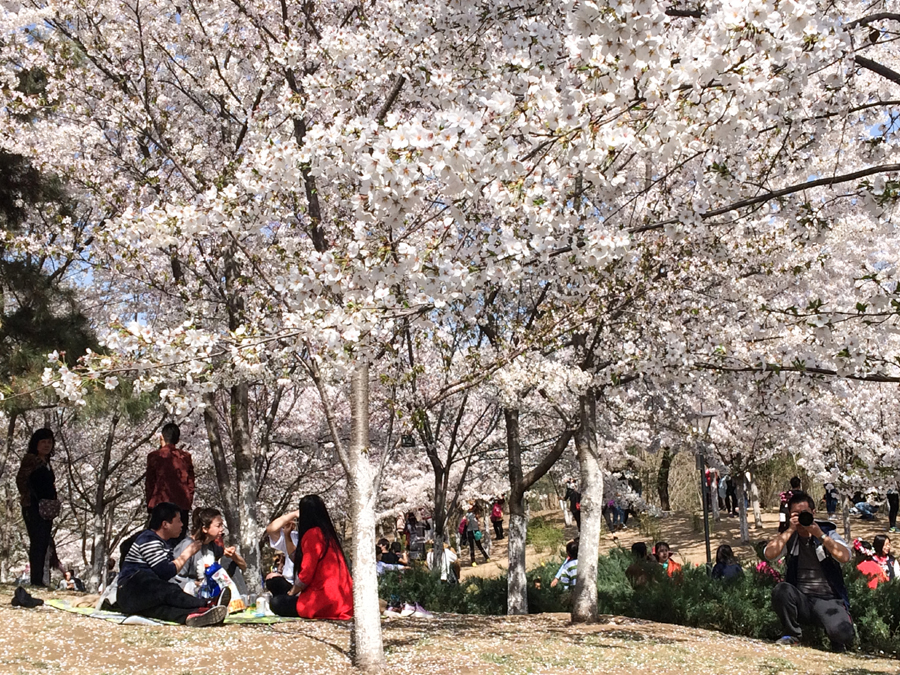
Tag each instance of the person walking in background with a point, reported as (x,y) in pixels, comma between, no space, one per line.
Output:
(731,502)
(830,499)
(36,483)
(893,498)
(573,497)
(170,476)
(497,517)
(473,532)
(323,589)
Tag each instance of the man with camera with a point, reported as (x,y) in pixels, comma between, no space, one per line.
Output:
(813,590)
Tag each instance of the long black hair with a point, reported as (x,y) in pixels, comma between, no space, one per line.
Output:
(878,543)
(313,514)
(38,436)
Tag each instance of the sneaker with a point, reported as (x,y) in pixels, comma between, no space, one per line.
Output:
(392,612)
(22,598)
(474,564)
(787,641)
(208,617)
(422,613)
(224,598)
(408,610)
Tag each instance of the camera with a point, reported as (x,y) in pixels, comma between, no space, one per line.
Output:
(805,518)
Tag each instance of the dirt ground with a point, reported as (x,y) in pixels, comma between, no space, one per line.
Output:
(678,529)
(47,641)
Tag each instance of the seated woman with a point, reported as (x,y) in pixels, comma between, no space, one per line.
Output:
(727,566)
(282,532)
(323,589)
(881,547)
(663,557)
(864,555)
(208,527)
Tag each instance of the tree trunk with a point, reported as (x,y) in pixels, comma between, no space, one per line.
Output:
(662,479)
(516,582)
(754,502)
(99,542)
(584,605)
(368,649)
(220,461)
(247,534)
(714,498)
(740,489)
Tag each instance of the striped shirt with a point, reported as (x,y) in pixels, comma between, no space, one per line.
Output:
(148,552)
(567,573)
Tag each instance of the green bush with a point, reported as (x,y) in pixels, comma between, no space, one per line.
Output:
(740,607)
(544,536)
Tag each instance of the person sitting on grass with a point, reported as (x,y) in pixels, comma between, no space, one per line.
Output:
(727,566)
(394,554)
(144,580)
(381,567)
(813,590)
(643,569)
(569,569)
(70,582)
(863,559)
(208,526)
(323,589)
(881,546)
(282,534)
(663,556)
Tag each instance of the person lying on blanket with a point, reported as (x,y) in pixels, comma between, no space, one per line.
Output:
(144,577)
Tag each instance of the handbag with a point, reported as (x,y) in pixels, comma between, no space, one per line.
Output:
(48,509)
(478,535)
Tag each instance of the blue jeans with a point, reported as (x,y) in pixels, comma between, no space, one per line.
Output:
(866,512)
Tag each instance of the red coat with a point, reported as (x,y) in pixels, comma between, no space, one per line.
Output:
(329,592)
(170,478)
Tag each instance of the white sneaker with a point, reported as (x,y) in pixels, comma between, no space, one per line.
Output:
(422,613)
(408,610)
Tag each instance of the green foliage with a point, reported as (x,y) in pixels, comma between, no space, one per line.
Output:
(545,536)
(738,607)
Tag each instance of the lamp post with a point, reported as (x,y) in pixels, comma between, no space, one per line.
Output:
(703,420)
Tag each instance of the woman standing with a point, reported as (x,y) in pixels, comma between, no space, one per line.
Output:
(473,532)
(37,493)
(323,589)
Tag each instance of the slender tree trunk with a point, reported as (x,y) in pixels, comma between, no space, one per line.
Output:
(99,542)
(714,499)
(584,605)
(368,649)
(516,583)
(220,460)
(740,490)
(754,501)
(247,534)
(662,479)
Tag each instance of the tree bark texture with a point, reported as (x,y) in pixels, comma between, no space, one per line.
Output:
(584,601)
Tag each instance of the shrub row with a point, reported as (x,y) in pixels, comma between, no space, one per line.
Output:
(739,607)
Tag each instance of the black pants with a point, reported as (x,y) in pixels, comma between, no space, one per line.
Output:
(795,608)
(576,514)
(470,535)
(284,605)
(893,506)
(39,537)
(278,586)
(498,528)
(148,595)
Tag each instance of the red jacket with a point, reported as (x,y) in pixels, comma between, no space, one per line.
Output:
(329,592)
(170,477)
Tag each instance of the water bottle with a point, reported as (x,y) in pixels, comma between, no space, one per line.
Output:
(262,605)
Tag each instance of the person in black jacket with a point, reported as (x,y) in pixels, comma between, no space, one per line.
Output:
(813,590)
(36,481)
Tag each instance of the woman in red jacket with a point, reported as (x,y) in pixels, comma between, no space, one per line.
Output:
(323,589)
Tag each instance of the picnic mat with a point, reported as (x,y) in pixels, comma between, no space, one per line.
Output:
(246,616)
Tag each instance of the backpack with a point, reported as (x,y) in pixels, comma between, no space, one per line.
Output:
(462,527)
(496,512)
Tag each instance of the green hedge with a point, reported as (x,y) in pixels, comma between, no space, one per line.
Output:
(739,607)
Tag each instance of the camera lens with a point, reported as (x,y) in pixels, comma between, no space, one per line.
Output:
(805,518)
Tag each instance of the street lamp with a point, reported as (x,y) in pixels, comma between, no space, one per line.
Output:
(702,426)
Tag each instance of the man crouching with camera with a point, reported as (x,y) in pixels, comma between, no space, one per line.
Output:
(813,591)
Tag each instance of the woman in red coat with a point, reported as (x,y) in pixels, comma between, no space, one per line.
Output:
(323,588)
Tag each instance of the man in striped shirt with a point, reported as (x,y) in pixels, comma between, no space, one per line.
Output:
(569,569)
(144,586)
